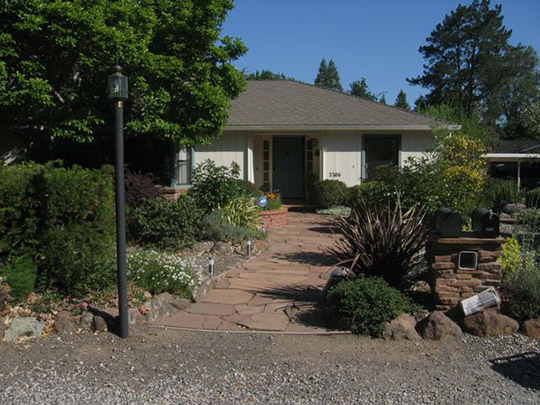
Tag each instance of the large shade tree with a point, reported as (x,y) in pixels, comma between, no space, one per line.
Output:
(471,65)
(55,57)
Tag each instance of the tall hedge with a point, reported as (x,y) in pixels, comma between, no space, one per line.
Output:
(63,219)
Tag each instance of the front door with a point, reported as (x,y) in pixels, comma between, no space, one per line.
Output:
(289,166)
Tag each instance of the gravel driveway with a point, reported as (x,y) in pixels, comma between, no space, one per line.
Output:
(157,366)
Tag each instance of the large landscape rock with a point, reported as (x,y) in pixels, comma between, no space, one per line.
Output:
(531,328)
(24,326)
(490,323)
(438,326)
(401,328)
(163,305)
(65,323)
(99,324)
(222,248)
(85,322)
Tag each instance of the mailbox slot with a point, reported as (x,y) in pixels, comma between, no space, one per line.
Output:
(467,260)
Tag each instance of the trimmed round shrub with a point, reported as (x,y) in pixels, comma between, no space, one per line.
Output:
(329,193)
(20,274)
(364,304)
(166,224)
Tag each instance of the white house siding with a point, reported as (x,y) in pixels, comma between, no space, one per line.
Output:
(341,157)
(228,148)
(415,145)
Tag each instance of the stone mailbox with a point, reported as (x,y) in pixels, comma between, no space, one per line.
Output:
(462,267)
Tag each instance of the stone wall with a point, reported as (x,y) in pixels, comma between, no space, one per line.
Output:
(449,284)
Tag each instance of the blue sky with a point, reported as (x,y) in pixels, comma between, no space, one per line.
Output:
(377,40)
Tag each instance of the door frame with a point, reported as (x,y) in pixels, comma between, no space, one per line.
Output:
(366,138)
(303,150)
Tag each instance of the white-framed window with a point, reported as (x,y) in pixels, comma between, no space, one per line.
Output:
(182,170)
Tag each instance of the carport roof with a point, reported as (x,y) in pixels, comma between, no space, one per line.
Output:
(290,105)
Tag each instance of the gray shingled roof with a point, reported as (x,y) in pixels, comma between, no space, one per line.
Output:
(286,104)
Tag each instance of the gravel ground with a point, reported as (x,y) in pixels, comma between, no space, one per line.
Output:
(156,366)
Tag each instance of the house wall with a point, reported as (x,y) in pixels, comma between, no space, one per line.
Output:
(339,154)
(225,150)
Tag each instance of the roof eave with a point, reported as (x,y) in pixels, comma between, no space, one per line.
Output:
(307,128)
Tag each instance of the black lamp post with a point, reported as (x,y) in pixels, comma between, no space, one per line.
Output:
(118,93)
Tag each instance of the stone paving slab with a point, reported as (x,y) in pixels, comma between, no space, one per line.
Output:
(275,292)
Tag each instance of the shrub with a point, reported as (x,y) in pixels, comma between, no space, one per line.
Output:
(242,211)
(214,186)
(381,240)
(157,272)
(20,274)
(166,224)
(511,256)
(364,304)
(63,219)
(139,188)
(499,192)
(522,289)
(369,192)
(532,198)
(217,227)
(329,193)
(247,188)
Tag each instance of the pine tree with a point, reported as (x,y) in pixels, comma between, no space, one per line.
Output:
(382,100)
(328,76)
(359,88)
(401,101)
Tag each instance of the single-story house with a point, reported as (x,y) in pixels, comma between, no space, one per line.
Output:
(282,133)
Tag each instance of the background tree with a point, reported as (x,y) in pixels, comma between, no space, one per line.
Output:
(382,100)
(328,76)
(471,66)
(401,101)
(55,58)
(267,75)
(359,88)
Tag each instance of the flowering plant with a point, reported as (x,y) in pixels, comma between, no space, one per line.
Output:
(274,202)
(158,272)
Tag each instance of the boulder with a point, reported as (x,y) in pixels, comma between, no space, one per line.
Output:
(489,323)
(65,323)
(438,326)
(163,305)
(401,328)
(202,247)
(24,326)
(99,324)
(85,322)
(222,248)
(530,328)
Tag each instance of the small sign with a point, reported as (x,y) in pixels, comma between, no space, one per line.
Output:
(263,201)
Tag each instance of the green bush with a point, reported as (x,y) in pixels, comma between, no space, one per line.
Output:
(522,289)
(214,186)
(217,227)
(329,193)
(242,211)
(158,272)
(20,274)
(166,224)
(499,192)
(364,304)
(64,220)
(369,192)
(532,198)
(247,188)
(511,256)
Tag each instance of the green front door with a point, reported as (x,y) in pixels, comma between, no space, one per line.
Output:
(289,166)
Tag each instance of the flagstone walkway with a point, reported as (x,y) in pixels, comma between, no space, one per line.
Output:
(276,291)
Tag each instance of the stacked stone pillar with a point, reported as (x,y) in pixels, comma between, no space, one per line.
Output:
(449,284)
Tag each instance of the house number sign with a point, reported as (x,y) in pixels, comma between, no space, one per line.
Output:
(334,174)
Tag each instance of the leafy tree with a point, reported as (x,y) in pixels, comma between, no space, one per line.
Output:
(530,119)
(360,88)
(401,101)
(328,76)
(267,75)
(55,57)
(470,64)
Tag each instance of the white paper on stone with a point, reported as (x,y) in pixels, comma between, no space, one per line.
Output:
(486,299)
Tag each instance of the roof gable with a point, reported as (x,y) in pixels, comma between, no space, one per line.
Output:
(286,104)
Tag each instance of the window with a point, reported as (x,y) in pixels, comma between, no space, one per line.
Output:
(380,151)
(183,166)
